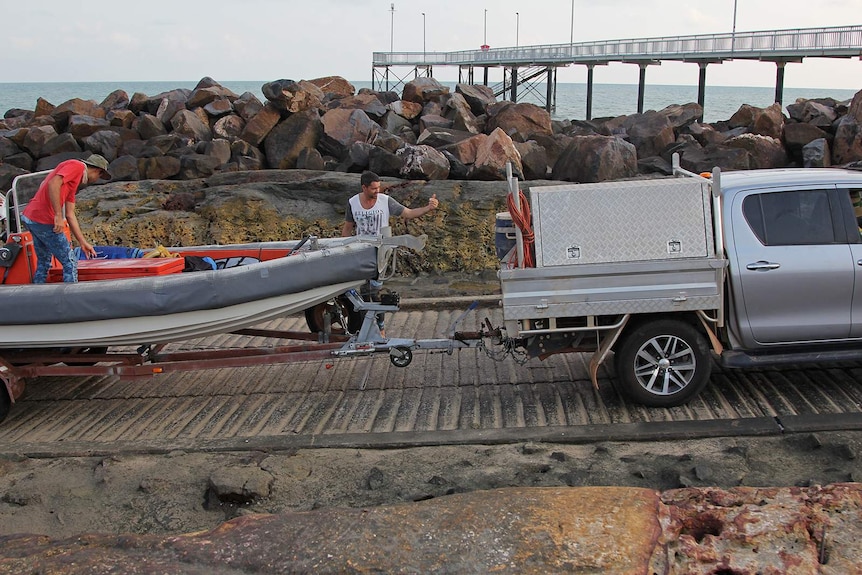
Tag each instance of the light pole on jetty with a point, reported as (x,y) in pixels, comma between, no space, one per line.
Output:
(423,35)
(572,29)
(485,37)
(733,34)
(391,39)
(517,25)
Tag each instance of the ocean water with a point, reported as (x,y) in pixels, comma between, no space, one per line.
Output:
(608,99)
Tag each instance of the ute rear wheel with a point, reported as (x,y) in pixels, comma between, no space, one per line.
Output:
(5,402)
(663,363)
(338,311)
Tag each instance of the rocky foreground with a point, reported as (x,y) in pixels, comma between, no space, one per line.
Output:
(424,133)
(619,530)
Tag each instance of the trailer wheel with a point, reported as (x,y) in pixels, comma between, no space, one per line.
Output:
(314,316)
(663,363)
(400,356)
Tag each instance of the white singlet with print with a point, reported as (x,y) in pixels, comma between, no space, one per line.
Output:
(369,222)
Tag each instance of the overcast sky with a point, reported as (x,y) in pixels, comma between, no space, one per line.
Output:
(181,40)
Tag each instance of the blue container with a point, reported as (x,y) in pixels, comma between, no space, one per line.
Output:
(504,238)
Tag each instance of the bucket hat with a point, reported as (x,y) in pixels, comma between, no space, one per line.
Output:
(98,161)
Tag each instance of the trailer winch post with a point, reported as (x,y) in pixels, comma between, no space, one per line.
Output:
(516,201)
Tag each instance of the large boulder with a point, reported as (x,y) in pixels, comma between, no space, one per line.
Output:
(650,132)
(257,128)
(422,163)
(187,123)
(847,144)
(681,115)
(368,103)
(290,96)
(334,85)
(458,110)
(493,154)
(342,127)
(421,90)
(520,121)
(769,121)
(590,159)
(478,96)
(465,150)
(815,154)
(300,131)
(765,152)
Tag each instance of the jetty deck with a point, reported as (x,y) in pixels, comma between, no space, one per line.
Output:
(527,66)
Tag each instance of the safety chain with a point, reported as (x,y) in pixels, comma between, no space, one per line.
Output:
(508,348)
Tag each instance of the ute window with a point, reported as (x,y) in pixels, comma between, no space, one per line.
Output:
(801,217)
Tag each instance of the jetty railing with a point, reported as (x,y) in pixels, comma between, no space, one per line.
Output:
(778,46)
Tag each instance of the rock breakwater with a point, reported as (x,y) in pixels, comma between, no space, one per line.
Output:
(424,133)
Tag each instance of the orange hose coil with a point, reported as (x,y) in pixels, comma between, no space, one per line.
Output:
(523,219)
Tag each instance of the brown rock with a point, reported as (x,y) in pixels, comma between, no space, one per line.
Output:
(122,118)
(43,107)
(83,126)
(290,96)
(461,115)
(218,108)
(650,132)
(422,163)
(149,127)
(116,100)
(467,149)
(229,127)
(335,85)
(187,123)
(682,115)
(257,128)
(815,154)
(765,152)
(590,159)
(493,154)
(158,168)
(36,138)
(534,160)
(63,144)
(298,132)
(523,119)
(855,109)
(428,121)
(798,134)
(247,106)
(421,90)
(408,110)
(343,127)
(769,122)
(368,103)
(478,96)
(847,144)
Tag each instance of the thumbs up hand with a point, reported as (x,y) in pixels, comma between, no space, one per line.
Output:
(432,202)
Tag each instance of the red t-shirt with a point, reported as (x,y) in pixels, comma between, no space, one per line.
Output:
(39,209)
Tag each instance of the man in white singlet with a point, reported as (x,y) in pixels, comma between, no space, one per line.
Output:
(368,212)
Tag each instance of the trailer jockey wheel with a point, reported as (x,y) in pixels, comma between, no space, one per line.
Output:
(400,356)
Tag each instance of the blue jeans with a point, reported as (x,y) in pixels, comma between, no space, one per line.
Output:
(48,243)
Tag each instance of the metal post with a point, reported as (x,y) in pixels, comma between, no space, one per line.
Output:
(733,34)
(701,87)
(485,37)
(517,26)
(392,28)
(590,68)
(572,30)
(514,97)
(423,36)
(779,81)
(641,88)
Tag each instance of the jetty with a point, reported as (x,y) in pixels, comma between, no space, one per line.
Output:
(531,68)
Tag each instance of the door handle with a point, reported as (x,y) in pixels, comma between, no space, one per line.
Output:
(762,265)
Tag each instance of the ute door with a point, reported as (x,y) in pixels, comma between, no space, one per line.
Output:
(855,240)
(795,267)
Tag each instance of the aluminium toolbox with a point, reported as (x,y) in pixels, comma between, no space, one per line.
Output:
(637,220)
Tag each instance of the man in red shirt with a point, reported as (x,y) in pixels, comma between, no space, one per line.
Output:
(54,205)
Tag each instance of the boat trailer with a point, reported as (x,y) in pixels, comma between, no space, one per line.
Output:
(147,361)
